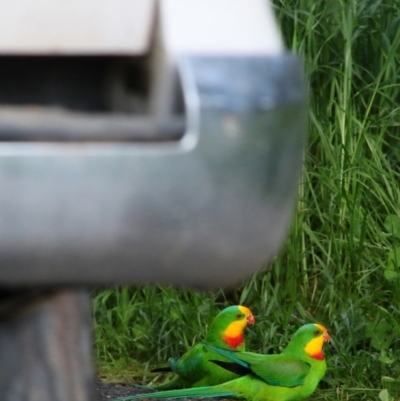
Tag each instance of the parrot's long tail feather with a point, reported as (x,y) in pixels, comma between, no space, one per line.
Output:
(201,392)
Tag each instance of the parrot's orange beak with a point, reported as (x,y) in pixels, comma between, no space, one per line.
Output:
(251,319)
(326,336)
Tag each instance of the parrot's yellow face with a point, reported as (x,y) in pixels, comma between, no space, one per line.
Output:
(243,318)
(314,346)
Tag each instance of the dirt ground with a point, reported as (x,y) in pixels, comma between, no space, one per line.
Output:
(108,391)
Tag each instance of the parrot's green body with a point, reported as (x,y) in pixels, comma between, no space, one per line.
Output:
(194,368)
(292,375)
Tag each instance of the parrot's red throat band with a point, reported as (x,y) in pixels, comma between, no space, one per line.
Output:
(234,342)
(319,355)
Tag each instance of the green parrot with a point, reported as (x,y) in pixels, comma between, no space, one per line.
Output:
(292,375)
(194,368)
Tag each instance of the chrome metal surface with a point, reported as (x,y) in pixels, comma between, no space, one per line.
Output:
(17,124)
(205,211)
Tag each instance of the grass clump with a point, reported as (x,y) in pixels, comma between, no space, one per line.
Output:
(340,263)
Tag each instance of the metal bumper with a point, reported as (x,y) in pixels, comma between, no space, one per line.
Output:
(207,210)
(194,186)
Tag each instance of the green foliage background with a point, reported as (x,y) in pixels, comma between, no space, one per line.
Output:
(340,263)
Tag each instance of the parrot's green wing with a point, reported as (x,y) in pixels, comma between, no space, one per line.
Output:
(276,370)
(192,366)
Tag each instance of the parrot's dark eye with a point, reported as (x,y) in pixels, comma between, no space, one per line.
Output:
(239,316)
(316,332)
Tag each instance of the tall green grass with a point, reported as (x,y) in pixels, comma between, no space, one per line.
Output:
(340,263)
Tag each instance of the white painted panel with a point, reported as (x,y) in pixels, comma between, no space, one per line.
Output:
(220,27)
(76,26)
